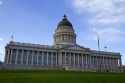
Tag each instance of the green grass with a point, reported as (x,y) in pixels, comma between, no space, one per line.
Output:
(47,76)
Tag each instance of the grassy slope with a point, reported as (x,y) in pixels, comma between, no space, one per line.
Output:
(60,77)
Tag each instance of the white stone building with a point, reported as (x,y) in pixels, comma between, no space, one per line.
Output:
(64,54)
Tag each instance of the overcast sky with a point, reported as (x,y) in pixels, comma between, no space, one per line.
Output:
(34,21)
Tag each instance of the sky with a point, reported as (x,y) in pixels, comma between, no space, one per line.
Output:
(35,21)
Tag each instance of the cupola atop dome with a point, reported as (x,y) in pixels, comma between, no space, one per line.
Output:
(64,22)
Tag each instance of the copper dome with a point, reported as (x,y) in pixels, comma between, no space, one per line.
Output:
(64,22)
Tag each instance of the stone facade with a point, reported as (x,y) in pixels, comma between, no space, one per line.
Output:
(65,54)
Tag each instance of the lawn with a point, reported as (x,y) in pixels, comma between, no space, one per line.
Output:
(47,76)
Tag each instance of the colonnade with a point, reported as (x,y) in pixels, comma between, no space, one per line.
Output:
(69,59)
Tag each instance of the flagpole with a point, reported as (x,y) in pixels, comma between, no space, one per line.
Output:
(99,51)
(12,38)
(98,42)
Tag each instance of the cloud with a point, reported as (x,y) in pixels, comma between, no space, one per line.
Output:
(107,34)
(1,39)
(1,50)
(1,2)
(106,16)
(102,11)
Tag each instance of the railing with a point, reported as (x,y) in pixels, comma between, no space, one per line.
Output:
(104,52)
(29,44)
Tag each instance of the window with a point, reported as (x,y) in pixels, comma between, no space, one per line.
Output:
(20,51)
(54,59)
(14,51)
(18,61)
(76,59)
(45,59)
(49,59)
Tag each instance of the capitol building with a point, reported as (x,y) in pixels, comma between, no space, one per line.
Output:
(65,54)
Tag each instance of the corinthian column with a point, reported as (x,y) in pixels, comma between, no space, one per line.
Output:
(70,59)
(74,59)
(60,59)
(16,56)
(11,56)
(22,57)
(65,58)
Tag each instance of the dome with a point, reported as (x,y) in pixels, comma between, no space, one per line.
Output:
(64,33)
(64,22)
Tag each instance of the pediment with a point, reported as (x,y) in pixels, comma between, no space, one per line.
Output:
(75,47)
